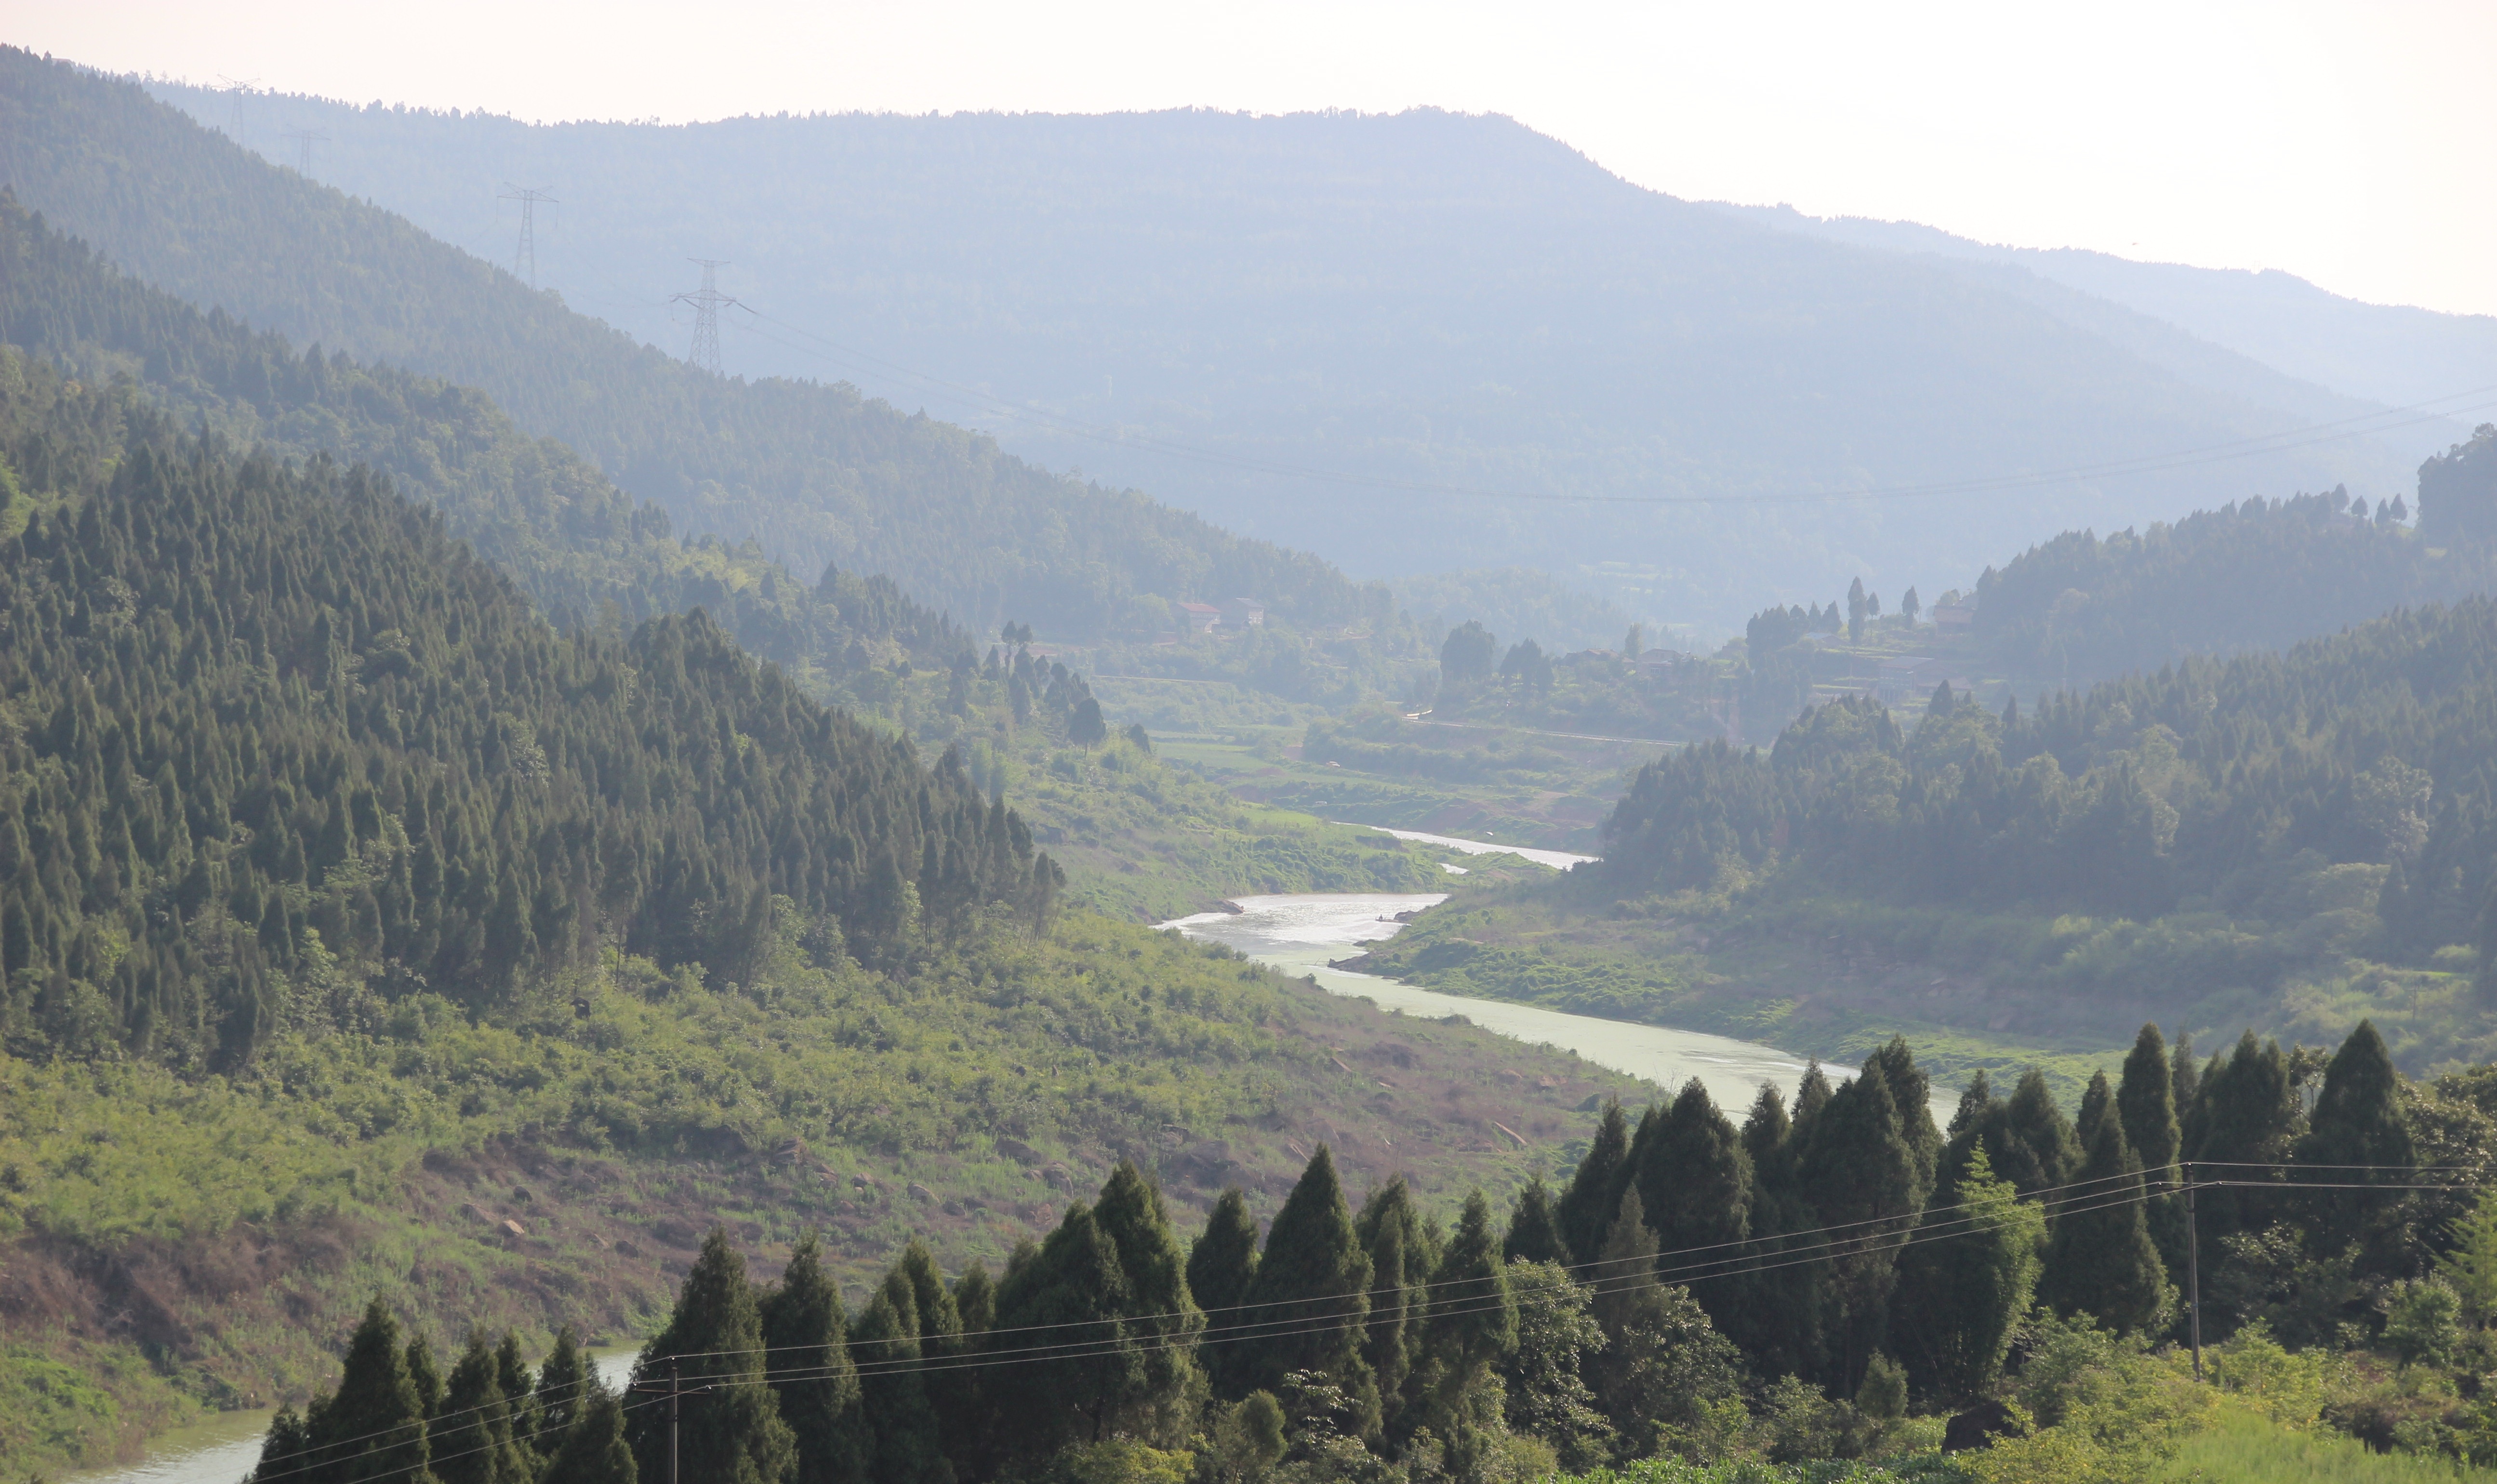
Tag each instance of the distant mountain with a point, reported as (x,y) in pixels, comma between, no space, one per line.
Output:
(1202,304)
(815,473)
(2390,353)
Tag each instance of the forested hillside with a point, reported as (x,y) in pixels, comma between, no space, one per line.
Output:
(816,473)
(572,541)
(277,744)
(1203,303)
(2254,575)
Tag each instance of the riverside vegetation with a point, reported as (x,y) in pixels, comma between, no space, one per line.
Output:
(1838,1289)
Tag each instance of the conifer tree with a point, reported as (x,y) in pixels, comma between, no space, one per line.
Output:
(1471,1323)
(807,1334)
(1310,1296)
(1911,1095)
(520,1395)
(423,1372)
(1694,1177)
(2244,1114)
(1161,1315)
(2102,1262)
(1222,1264)
(1861,1172)
(975,1299)
(1660,1357)
(563,1379)
(1389,1230)
(2145,1098)
(908,1436)
(1595,1189)
(2033,1145)
(953,1390)
(472,1440)
(1535,1226)
(2185,1076)
(592,1449)
(1074,1291)
(2358,1125)
(1962,1296)
(1776,1307)
(731,1431)
(372,1426)
(2098,1105)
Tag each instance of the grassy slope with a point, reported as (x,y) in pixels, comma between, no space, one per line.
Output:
(229,1230)
(2244,1447)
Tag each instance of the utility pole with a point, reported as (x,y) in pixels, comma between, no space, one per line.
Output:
(525,262)
(671,1416)
(708,301)
(2193,1273)
(305,139)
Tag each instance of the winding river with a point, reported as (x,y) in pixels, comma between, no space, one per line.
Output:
(1298,935)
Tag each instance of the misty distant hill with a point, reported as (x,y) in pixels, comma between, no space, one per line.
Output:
(2391,354)
(1426,298)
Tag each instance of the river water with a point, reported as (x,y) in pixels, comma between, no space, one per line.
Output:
(224,1449)
(1299,933)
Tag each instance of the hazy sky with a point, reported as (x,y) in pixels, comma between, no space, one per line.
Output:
(2350,143)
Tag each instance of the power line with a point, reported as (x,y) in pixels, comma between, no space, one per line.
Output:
(234,90)
(707,301)
(525,260)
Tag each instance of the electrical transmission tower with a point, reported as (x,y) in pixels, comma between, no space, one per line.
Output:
(525,260)
(305,139)
(234,90)
(708,301)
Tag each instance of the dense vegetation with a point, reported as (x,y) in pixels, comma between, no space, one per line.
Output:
(2344,789)
(1821,1283)
(1421,301)
(2256,575)
(572,541)
(818,475)
(277,743)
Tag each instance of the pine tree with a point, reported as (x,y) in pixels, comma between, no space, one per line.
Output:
(731,1431)
(2098,1105)
(2032,1144)
(2102,1262)
(1161,1315)
(1776,1309)
(953,1389)
(1861,1172)
(1963,1296)
(1389,1230)
(372,1426)
(1471,1323)
(563,1379)
(1075,1291)
(472,1440)
(1594,1190)
(2145,1098)
(2357,1123)
(2244,1114)
(817,1384)
(511,1376)
(907,1434)
(1310,1296)
(1694,1177)
(1535,1227)
(1222,1264)
(592,1449)
(425,1374)
(2185,1076)
(1911,1095)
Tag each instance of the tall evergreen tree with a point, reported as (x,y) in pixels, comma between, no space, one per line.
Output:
(2356,1124)
(425,1372)
(1862,1172)
(518,1385)
(731,1431)
(2245,1116)
(1962,1296)
(908,1436)
(814,1379)
(1912,1094)
(1595,1189)
(1222,1264)
(2145,1098)
(2098,1105)
(1662,1358)
(592,1449)
(2102,1262)
(472,1440)
(1310,1300)
(1535,1226)
(563,1380)
(1075,1293)
(1472,1316)
(1161,1315)
(1776,1308)
(1390,1231)
(372,1426)
(1693,1178)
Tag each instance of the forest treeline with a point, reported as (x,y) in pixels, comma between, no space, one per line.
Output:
(274,748)
(1793,1287)
(550,520)
(2254,575)
(2344,787)
(818,475)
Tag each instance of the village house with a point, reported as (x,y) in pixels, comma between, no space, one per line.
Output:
(1244,613)
(1197,618)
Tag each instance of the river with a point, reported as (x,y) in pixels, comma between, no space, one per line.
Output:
(1299,933)
(224,1449)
